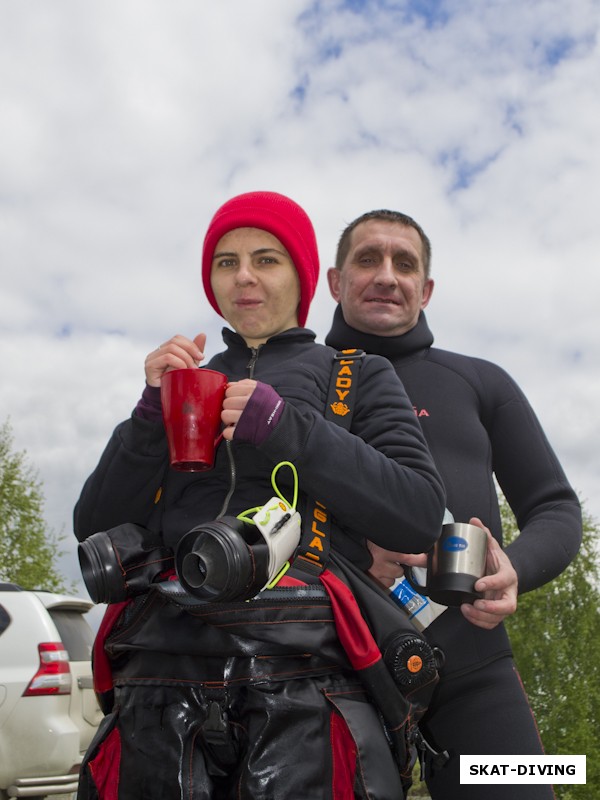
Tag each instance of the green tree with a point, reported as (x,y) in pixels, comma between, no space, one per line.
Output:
(556,646)
(28,550)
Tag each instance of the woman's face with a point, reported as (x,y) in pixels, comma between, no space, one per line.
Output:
(255,284)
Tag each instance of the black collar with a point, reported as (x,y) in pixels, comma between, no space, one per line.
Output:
(343,335)
(235,341)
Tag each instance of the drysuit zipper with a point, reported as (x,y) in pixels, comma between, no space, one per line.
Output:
(253,359)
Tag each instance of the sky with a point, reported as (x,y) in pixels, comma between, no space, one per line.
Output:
(124,124)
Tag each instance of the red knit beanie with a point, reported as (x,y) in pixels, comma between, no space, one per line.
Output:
(279,216)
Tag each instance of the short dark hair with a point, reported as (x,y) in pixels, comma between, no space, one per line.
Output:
(386,215)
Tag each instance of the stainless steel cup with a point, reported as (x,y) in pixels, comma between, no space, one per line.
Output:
(454,564)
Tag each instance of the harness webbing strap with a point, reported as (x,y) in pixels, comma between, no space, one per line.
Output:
(343,386)
(312,554)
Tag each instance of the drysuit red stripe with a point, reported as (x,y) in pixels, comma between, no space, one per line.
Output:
(353,632)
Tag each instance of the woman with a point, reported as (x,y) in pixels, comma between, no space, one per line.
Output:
(210,699)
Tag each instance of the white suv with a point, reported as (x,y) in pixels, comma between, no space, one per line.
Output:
(48,709)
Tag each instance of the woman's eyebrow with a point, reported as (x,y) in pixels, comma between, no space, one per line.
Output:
(262,250)
(259,252)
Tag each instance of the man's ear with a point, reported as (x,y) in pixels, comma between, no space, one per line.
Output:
(333,279)
(427,292)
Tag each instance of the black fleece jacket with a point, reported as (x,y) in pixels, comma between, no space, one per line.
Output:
(353,473)
(480,426)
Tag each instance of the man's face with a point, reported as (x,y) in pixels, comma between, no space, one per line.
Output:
(255,284)
(381,285)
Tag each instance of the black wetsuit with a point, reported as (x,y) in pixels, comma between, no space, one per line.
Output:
(479,427)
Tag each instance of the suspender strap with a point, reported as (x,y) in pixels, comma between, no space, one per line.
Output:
(343,386)
(312,554)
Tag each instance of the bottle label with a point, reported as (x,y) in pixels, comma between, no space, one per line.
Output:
(420,610)
(412,602)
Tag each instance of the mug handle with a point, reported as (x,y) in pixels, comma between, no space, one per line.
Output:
(414,583)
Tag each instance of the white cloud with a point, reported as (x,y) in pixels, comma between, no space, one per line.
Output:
(126,125)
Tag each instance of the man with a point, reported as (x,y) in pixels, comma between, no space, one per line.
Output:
(479,426)
(210,696)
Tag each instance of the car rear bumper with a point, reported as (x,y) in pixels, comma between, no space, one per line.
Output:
(53,784)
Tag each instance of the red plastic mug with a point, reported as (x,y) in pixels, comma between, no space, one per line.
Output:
(192,400)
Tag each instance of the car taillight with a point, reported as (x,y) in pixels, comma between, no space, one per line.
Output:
(54,674)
